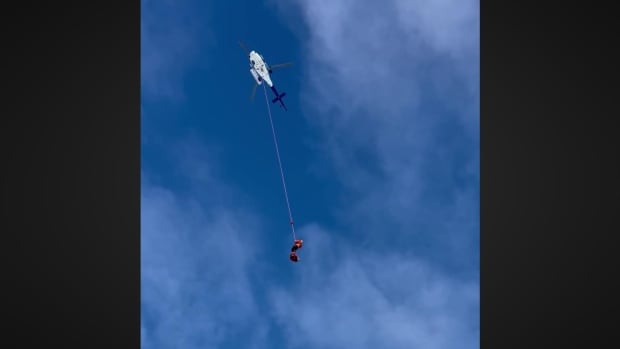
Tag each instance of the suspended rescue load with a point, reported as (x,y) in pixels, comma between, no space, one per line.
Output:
(297,244)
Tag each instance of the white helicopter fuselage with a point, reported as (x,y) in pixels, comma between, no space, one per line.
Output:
(259,69)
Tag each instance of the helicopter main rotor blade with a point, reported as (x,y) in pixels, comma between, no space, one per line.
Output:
(244,48)
(281,65)
(253,92)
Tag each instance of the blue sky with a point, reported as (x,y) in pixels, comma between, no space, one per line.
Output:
(380,149)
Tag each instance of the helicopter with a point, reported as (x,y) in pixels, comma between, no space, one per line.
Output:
(261,72)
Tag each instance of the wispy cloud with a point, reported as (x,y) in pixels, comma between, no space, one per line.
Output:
(347,296)
(393,85)
(197,287)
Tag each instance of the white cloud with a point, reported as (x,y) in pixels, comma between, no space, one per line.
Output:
(393,85)
(351,297)
(198,263)
(199,287)
(197,266)
(448,26)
